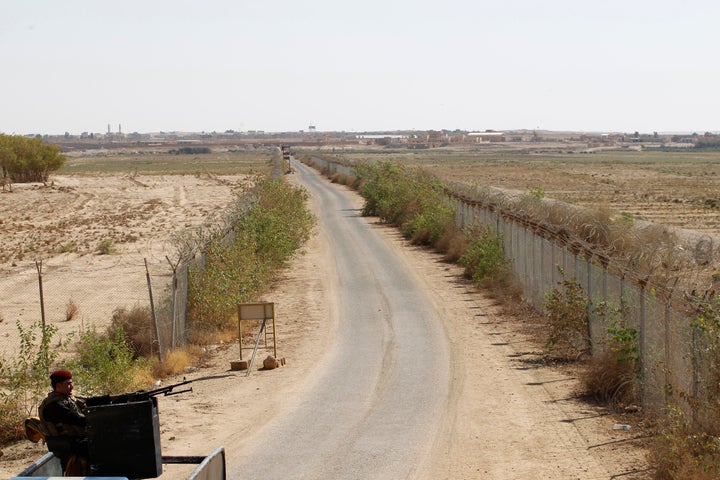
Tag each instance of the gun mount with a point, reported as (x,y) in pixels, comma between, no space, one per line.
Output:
(139,395)
(124,440)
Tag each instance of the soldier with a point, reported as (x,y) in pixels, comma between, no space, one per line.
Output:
(63,421)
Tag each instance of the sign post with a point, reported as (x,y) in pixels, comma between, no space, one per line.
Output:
(257,311)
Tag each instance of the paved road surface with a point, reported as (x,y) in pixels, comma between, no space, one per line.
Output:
(373,406)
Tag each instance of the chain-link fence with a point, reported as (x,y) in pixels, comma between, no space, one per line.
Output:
(77,298)
(331,167)
(661,316)
(174,327)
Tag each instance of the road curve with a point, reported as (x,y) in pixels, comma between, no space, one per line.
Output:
(372,407)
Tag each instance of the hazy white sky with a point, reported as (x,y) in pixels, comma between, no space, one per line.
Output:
(282,65)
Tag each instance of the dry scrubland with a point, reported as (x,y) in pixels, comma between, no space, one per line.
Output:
(678,189)
(121,198)
(138,201)
(96,222)
(129,203)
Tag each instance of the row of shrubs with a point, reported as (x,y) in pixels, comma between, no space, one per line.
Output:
(240,262)
(190,150)
(687,445)
(265,233)
(416,203)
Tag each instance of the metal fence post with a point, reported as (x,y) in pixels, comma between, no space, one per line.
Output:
(152,310)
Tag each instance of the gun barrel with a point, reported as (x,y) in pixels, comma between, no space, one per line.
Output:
(167,390)
(139,395)
(167,394)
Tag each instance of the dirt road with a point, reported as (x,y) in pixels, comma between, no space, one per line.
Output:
(493,412)
(492,417)
(372,404)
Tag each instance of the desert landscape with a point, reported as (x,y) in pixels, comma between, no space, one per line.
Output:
(577,149)
(93,234)
(63,222)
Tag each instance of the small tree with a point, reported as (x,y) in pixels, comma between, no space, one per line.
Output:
(29,159)
(7,155)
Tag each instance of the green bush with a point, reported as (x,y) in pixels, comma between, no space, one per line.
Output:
(237,267)
(566,309)
(406,198)
(25,378)
(484,260)
(105,364)
(383,190)
(28,159)
(435,218)
(684,449)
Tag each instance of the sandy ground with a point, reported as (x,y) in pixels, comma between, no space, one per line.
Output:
(63,223)
(227,407)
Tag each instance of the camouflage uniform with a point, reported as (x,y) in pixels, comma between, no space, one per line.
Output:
(62,421)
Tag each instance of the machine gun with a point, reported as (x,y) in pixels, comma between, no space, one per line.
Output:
(124,440)
(124,433)
(137,396)
(141,395)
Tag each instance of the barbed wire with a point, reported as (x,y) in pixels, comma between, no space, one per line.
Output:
(642,252)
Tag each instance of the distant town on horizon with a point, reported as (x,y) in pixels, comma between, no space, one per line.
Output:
(405,139)
(314,130)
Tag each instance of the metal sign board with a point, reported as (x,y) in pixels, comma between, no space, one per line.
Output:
(256,311)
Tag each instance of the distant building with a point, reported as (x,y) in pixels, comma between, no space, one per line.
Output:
(114,136)
(381,139)
(486,136)
(376,136)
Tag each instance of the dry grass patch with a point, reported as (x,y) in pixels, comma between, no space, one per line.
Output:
(610,379)
(684,449)
(342,179)
(71,310)
(453,244)
(137,324)
(176,361)
(12,414)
